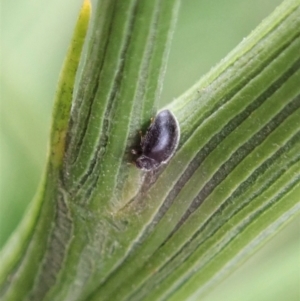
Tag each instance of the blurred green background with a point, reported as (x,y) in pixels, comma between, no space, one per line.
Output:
(34,39)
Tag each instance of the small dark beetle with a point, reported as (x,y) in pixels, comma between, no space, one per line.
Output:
(160,141)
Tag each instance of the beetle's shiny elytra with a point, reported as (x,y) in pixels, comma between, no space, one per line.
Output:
(160,141)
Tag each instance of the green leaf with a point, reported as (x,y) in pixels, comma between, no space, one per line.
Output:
(103,230)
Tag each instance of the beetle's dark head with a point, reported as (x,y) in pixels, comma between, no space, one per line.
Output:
(146,163)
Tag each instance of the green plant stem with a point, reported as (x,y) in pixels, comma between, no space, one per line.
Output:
(235,115)
(104,230)
(21,257)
